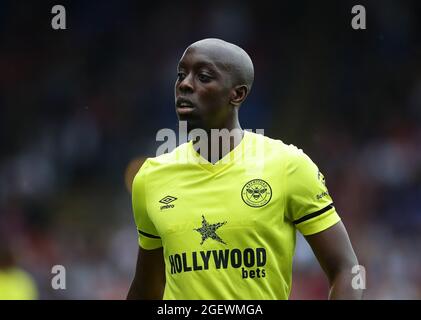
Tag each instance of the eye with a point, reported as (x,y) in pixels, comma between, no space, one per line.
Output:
(180,76)
(204,77)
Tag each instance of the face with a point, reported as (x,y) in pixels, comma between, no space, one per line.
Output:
(202,91)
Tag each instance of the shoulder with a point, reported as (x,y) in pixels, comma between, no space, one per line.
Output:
(168,159)
(163,161)
(291,160)
(278,149)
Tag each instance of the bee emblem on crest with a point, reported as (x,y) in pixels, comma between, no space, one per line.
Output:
(256,193)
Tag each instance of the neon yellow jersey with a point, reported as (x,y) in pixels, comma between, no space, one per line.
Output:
(228,229)
(17,284)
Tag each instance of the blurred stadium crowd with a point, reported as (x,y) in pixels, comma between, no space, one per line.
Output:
(79,110)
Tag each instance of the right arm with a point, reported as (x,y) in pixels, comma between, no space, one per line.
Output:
(149,279)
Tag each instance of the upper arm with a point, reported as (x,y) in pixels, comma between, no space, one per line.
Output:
(149,279)
(310,208)
(333,250)
(148,236)
(308,204)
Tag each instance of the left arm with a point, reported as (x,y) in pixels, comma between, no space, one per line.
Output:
(336,256)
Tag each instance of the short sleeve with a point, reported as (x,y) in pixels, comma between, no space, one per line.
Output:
(148,237)
(308,203)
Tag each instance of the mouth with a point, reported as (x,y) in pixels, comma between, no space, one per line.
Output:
(185,111)
(184,106)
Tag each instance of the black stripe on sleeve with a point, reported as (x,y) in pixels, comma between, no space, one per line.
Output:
(148,235)
(314,214)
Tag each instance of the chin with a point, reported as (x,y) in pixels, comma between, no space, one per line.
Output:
(192,123)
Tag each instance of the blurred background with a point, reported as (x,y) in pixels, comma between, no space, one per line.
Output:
(80,108)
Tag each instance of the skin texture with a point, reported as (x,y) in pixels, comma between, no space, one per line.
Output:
(213,80)
(214,77)
(336,256)
(149,280)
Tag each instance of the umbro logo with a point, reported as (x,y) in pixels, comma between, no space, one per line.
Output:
(166,201)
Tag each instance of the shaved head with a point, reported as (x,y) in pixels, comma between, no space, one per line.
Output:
(214,78)
(230,57)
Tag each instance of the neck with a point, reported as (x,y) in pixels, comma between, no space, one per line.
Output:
(220,141)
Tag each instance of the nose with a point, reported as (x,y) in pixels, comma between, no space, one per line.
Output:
(186,85)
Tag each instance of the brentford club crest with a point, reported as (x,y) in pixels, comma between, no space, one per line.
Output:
(256,193)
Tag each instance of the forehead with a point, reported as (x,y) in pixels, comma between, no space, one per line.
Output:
(200,57)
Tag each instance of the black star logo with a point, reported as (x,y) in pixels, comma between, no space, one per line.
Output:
(209,230)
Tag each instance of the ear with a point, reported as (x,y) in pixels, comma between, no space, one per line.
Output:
(238,95)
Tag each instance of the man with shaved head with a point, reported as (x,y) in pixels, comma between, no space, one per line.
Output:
(220,223)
